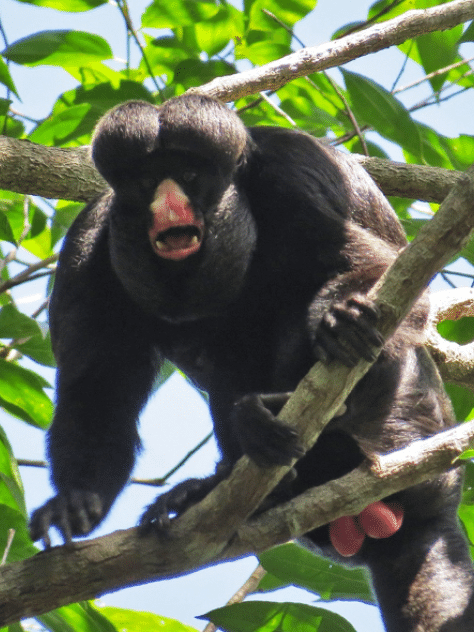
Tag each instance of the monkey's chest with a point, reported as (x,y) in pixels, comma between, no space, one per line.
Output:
(229,360)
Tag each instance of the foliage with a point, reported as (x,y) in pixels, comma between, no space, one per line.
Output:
(177,46)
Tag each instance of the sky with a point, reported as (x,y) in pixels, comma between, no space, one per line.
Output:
(176,418)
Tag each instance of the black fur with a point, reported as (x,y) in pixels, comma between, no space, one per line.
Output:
(293,234)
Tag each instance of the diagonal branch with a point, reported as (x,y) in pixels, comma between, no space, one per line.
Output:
(69,173)
(315,58)
(215,529)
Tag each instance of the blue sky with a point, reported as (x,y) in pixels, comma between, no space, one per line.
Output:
(176,418)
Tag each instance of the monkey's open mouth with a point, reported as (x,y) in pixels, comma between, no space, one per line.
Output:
(176,232)
(178,242)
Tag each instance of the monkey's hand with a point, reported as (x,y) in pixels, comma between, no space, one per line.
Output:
(347,331)
(158,515)
(76,513)
(265,439)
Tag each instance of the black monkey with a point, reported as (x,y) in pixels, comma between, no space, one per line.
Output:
(244,255)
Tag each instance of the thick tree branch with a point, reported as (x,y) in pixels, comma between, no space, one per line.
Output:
(429,184)
(455,362)
(315,58)
(69,174)
(90,568)
(390,473)
(50,172)
(215,528)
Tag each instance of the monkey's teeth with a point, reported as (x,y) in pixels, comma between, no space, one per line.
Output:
(194,240)
(159,244)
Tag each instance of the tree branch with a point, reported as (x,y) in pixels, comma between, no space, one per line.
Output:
(88,569)
(315,58)
(50,172)
(455,362)
(215,529)
(69,173)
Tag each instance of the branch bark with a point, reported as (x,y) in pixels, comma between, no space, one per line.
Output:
(455,362)
(51,172)
(69,174)
(315,58)
(218,524)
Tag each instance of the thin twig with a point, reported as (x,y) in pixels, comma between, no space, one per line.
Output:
(248,587)
(26,274)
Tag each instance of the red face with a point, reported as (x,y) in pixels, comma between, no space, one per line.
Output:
(175,233)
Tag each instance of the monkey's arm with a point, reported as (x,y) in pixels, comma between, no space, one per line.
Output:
(106,367)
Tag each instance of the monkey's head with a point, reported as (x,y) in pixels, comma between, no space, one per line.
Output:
(178,212)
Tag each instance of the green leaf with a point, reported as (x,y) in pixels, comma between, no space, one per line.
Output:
(134,621)
(76,112)
(193,72)
(460,331)
(462,400)
(287,11)
(12,217)
(468,35)
(21,546)
(466,514)
(60,128)
(375,106)
(72,6)
(15,324)
(78,617)
(9,206)
(166,371)
(6,78)
(65,213)
(438,50)
(12,493)
(264,616)
(296,565)
(215,34)
(38,348)
(163,14)
(21,394)
(460,150)
(262,52)
(433,150)
(59,48)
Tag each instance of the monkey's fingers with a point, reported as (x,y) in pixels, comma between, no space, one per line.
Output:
(265,439)
(75,513)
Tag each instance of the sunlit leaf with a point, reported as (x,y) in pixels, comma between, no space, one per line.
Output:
(134,621)
(288,12)
(21,546)
(163,14)
(67,5)
(22,394)
(265,616)
(460,331)
(58,48)
(78,617)
(6,78)
(214,34)
(462,400)
(58,128)
(296,565)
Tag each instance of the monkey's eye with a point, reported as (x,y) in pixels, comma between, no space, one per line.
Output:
(189,176)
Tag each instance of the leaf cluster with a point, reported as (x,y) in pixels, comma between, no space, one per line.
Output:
(176,46)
